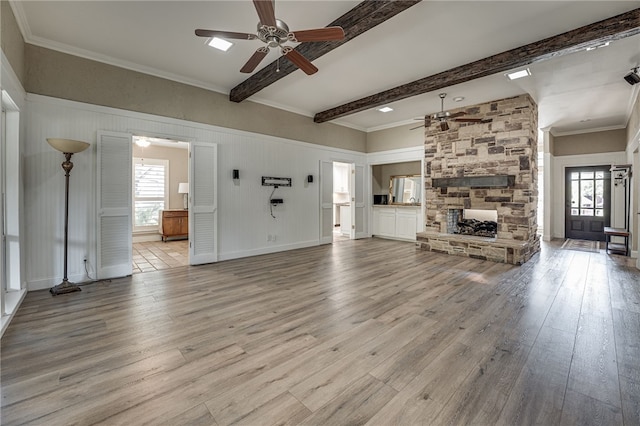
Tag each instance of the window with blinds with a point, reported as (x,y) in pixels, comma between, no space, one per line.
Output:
(150,192)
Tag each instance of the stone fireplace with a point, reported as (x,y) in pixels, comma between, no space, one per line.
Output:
(484,166)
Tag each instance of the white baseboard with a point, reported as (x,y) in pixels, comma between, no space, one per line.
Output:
(266,250)
(145,238)
(12,303)
(47,283)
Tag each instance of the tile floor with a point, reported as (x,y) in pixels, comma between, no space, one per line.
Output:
(155,255)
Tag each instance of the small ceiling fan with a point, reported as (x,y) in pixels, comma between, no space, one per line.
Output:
(442,117)
(275,33)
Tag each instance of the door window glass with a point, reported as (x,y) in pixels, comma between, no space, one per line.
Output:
(587,193)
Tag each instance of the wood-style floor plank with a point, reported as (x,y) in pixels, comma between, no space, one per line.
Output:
(359,332)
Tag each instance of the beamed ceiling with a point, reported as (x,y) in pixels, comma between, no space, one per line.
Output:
(396,53)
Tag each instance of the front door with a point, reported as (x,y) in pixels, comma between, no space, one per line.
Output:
(588,202)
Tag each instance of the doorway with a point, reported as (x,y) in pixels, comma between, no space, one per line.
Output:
(353,185)
(588,202)
(160,193)
(341,201)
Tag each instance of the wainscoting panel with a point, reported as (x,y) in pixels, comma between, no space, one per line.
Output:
(245,222)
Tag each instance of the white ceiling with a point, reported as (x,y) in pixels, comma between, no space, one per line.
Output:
(578,92)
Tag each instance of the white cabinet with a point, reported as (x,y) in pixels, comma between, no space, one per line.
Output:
(384,222)
(345,220)
(395,222)
(406,223)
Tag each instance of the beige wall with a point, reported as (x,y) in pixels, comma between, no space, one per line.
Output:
(395,138)
(60,75)
(590,143)
(11,40)
(383,172)
(178,168)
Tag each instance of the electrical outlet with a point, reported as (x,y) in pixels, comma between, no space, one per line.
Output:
(273,238)
(269,237)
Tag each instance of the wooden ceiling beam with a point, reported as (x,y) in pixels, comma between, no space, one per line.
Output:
(615,28)
(361,18)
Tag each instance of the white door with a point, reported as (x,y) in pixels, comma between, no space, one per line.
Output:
(358,211)
(326,202)
(114,236)
(203,203)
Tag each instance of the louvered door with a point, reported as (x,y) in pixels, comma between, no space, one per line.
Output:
(114,237)
(203,205)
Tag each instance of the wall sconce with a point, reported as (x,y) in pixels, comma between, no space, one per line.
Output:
(236,174)
(183,188)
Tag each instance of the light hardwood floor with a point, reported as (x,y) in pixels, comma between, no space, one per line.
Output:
(368,331)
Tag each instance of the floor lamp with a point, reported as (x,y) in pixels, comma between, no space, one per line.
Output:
(68,147)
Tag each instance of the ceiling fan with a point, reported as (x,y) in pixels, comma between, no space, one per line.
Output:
(275,33)
(442,117)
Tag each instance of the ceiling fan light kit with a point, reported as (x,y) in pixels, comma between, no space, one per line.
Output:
(275,33)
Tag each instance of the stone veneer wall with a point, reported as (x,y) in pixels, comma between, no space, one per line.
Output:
(505,146)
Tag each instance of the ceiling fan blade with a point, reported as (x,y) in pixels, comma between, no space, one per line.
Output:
(300,61)
(266,12)
(457,114)
(225,34)
(318,34)
(444,126)
(254,60)
(417,127)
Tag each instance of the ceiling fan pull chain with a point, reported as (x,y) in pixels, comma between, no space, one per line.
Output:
(278,64)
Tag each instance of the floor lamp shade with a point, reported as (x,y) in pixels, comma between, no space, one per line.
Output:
(68,147)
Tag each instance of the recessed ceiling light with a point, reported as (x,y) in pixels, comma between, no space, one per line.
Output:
(458,99)
(385,109)
(220,44)
(518,74)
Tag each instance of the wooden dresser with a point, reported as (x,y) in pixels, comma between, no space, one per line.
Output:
(174,223)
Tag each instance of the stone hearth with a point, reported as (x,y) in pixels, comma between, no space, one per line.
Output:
(489,166)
